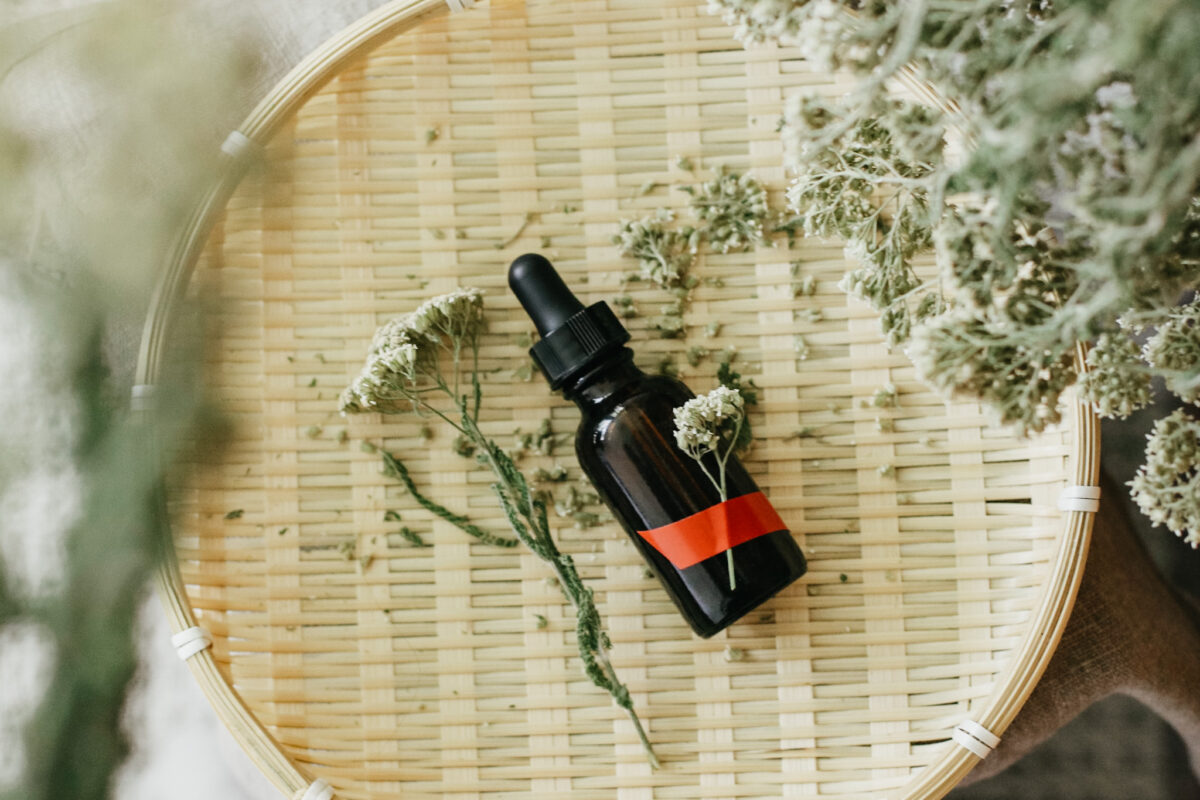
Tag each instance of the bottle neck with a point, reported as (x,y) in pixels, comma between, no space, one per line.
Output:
(604,380)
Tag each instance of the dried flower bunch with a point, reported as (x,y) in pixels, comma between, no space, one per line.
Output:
(664,252)
(733,210)
(434,351)
(732,215)
(1167,487)
(404,360)
(705,423)
(712,425)
(1073,217)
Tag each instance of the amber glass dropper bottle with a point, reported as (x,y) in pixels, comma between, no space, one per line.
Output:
(626,446)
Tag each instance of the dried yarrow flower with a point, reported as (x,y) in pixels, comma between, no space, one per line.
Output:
(974,353)
(404,353)
(1174,350)
(756,21)
(868,186)
(711,424)
(1167,486)
(815,26)
(704,422)
(456,316)
(1075,201)
(732,210)
(1117,382)
(664,251)
(389,374)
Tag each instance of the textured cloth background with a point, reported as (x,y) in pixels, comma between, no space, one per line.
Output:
(1130,633)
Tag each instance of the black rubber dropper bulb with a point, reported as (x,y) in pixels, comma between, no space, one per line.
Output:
(542,293)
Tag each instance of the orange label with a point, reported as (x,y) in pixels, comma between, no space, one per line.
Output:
(715,529)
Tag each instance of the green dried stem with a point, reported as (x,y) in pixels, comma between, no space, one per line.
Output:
(526,513)
(73,252)
(393,467)
(93,610)
(406,366)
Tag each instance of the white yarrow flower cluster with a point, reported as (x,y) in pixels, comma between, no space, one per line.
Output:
(406,347)
(712,424)
(701,422)
(456,315)
(1116,382)
(760,20)
(664,252)
(1052,220)
(1167,486)
(1174,350)
(805,23)
(733,207)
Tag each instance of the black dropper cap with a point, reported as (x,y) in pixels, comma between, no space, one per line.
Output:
(573,337)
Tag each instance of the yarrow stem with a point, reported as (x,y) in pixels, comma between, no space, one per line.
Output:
(393,467)
(712,424)
(404,365)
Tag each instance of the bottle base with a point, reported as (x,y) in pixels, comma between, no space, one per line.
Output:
(745,603)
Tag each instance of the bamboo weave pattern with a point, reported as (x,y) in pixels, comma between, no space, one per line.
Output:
(394,671)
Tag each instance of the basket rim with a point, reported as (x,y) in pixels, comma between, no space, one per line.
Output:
(1013,687)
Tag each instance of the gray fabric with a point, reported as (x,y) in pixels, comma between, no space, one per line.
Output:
(1129,633)
(1114,750)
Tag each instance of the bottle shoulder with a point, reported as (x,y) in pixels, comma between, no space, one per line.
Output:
(650,393)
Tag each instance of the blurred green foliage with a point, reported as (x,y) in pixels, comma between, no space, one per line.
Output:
(111,117)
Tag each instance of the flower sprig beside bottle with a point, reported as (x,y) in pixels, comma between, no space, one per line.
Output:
(713,424)
(435,351)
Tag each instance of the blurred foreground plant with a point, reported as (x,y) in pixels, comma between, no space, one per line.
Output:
(106,136)
(1072,217)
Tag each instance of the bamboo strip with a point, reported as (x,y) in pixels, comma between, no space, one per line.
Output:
(935,592)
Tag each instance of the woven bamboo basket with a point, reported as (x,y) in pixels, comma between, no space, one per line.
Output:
(938,586)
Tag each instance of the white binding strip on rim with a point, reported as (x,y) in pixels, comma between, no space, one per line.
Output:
(238,144)
(976,738)
(1079,498)
(458,5)
(317,790)
(141,396)
(190,641)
